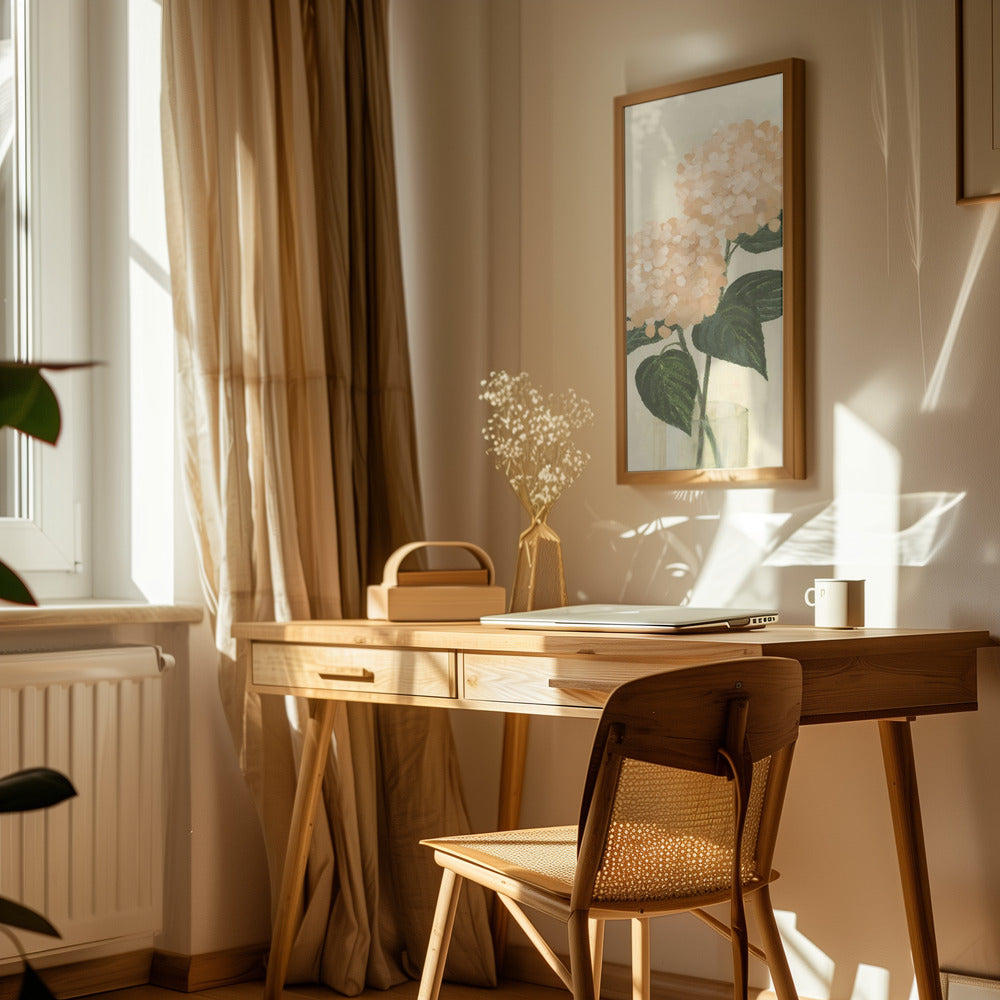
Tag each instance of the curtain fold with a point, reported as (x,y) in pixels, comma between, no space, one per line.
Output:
(298,435)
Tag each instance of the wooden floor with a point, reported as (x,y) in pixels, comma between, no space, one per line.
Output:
(408,991)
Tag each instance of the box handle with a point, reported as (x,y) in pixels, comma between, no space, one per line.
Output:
(389,574)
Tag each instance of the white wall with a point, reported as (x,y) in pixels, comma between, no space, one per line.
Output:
(504,147)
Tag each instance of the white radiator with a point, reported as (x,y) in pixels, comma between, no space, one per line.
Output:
(92,865)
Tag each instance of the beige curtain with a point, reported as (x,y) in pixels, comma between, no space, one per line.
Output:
(299,457)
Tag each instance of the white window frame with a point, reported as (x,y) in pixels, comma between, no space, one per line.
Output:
(49,547)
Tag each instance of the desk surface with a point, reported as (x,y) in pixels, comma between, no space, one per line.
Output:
(847,673)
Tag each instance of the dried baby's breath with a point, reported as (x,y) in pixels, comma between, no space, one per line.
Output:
(530,438)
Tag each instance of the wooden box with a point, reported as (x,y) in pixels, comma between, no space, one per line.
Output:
(446,595)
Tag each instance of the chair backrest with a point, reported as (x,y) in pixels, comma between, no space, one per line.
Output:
(687,774)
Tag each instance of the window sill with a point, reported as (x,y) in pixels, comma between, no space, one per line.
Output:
(78,614)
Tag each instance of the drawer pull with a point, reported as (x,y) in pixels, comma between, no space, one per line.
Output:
(348,674)
(579,684)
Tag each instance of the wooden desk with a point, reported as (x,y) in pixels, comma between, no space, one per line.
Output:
(889,675)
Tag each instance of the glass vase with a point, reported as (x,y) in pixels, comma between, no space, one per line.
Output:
(721,437)
(539,581)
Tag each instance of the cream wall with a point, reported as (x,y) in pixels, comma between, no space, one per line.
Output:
(504,118)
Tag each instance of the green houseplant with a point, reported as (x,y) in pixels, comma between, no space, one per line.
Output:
(28,404)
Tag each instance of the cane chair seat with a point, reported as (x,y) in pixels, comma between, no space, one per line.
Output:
(544,857)
(680,811)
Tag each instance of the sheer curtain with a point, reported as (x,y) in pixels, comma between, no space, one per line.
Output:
(297,426)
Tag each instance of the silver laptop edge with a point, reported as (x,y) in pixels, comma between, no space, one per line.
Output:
(635,618)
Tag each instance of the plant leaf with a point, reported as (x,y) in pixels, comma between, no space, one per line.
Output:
(34,788)
(32,986)
(733,334)
(15,915)
(760,289)
(27,402)
(12,587)
(635,337)
(668,386)
(762,240)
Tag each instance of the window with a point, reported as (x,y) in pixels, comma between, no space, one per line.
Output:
(14,500)
(44,281)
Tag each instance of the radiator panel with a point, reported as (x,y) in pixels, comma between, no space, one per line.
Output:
(93,865)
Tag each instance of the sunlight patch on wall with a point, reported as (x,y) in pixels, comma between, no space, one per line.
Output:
(880,110)
(811,968)
(748,536)
(866,475)
(914,217)
(871,983)
(731,571)
(150,328)
(987,224)
(925,522)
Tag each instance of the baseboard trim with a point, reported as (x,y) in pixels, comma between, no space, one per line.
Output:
(523,963)
(209,970)
(191,973)
(183,973)
(92,975)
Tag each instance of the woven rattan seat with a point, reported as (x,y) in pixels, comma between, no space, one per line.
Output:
(680,810)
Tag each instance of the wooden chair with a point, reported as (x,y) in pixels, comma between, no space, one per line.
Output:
(680,810)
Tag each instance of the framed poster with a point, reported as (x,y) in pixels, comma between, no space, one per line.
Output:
(709,279)
(977,50)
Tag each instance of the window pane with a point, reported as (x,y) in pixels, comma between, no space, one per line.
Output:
(12,447)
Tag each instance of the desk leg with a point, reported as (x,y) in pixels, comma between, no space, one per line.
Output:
(315,746)
(901,780)
(515,745)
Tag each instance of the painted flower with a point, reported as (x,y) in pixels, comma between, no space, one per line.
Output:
(732,182)
(674,272)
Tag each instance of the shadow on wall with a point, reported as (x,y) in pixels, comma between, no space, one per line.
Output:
(718,559)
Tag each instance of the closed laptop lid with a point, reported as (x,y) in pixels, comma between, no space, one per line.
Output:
(635,618)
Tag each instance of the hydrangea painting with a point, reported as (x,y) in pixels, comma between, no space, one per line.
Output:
(709,229)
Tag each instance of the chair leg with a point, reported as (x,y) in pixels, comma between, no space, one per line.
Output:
(741,959)
(640,959)
(580,964)
(597,951)
(437,947)
(777,962)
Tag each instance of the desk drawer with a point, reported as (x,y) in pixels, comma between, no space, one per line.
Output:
(428,673)
(580,682)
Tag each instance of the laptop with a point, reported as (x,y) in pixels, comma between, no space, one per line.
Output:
(654,618)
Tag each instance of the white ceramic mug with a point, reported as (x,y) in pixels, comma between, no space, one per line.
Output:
(838,603)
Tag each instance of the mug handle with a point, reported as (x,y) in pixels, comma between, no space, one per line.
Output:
(812,591)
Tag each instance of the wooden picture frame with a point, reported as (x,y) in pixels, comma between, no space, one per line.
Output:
(709,278)
(977,92)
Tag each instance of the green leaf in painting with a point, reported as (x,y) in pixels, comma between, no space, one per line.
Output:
(668,387)
(15,915)
(12,587)
(34,788)
(760,289)
(27,402)
(733,334)
(635,337)
(763,240)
